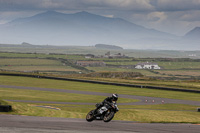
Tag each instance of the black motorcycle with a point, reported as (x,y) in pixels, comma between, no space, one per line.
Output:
(105,113)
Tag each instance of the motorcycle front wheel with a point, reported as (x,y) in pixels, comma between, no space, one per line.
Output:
(89,116)
(108,116)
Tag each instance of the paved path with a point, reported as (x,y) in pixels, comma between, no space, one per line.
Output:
(31,124)
(143,99)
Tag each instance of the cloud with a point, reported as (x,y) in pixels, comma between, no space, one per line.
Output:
(17,5)
(190,16)
(177,22)
(134,5)
(156,16)
(137,5)
(177,5)
(109,16)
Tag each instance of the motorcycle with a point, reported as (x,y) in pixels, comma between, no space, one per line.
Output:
(105,113)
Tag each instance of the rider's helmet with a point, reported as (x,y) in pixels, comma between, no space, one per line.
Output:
(114,97)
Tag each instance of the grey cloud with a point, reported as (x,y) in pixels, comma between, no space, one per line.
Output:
(137,5)
(8,5)
(13,5)
(177,5)
(191,16)
(134,5)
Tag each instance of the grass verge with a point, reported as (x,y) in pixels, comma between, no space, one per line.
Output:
(170,113)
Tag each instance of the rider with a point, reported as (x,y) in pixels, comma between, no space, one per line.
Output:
(114,98)
(108,100)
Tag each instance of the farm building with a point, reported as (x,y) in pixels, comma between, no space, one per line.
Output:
(90,63)
(88,56)
(147,65)
(118,55)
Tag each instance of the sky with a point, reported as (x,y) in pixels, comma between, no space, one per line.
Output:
(171,16)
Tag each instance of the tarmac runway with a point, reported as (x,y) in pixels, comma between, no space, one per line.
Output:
(31,124)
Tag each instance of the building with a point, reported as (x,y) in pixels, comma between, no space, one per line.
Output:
(88,56)
(90,63)
(118,55)
(147,65)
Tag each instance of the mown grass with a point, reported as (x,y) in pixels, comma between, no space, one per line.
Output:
(47,83)
(161,106)
(169,113)
(36,95)
(162,116)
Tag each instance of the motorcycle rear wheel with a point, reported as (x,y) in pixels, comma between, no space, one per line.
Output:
(108,116)
(90,116)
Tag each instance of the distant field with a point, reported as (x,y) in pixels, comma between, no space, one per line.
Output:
(29,65)
(185,84)
(28,62)
(113,69)
(46,69)
(30,55)
(164,65)
(53,63)
(179,72)
(108,69)
(92,50)
(180,65)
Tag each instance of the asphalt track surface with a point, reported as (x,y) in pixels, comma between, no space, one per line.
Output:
(31,124)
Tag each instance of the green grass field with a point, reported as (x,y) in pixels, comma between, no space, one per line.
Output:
(47,83)
(20,94)
(142,113)
(27,62)
(52,63)
(35,64)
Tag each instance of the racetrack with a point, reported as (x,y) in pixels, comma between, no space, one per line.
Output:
(31,124)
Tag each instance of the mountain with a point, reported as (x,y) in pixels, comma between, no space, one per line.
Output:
(192,39)
(84,29)
(193,34)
